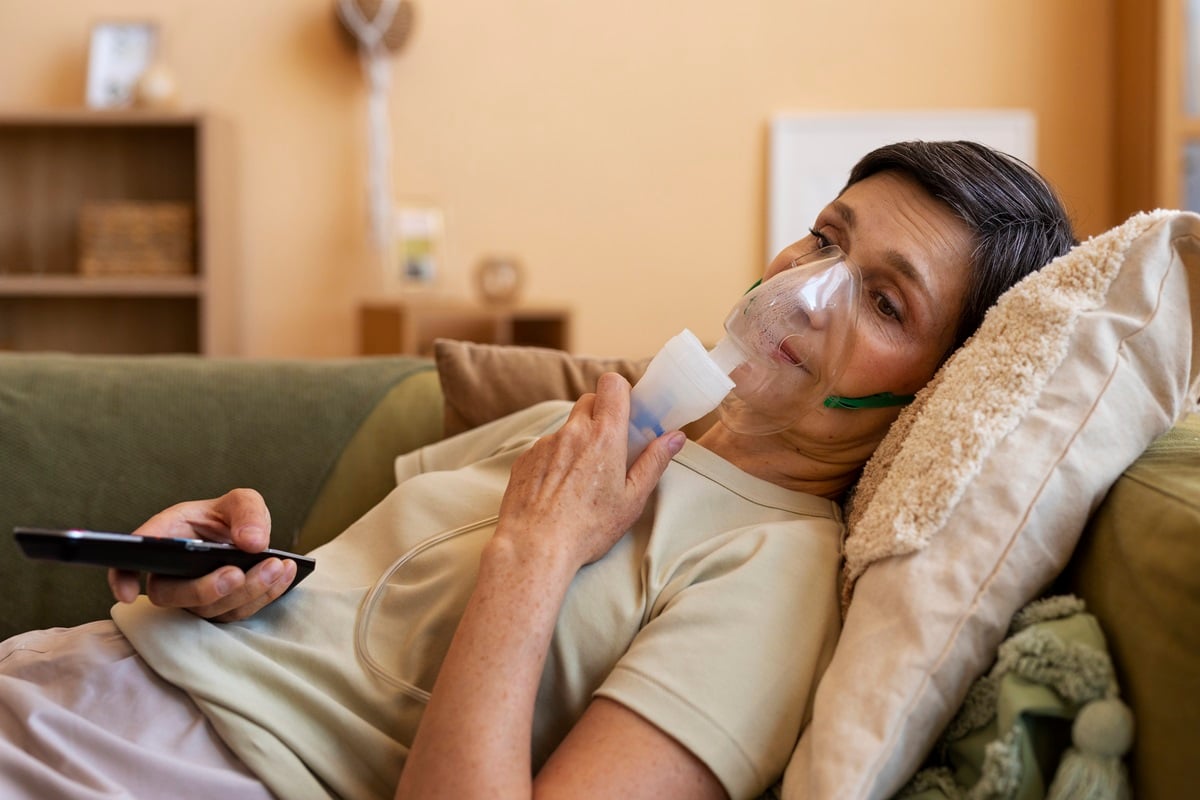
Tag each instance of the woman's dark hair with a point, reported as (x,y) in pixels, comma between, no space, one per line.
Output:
(1018,221)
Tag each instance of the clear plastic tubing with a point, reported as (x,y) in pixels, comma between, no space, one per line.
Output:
(682,383)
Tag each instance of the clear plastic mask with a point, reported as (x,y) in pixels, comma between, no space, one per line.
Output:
(795,332)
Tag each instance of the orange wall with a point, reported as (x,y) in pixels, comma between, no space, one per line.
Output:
(617,149)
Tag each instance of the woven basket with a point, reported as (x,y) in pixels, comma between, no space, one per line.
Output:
(128,238)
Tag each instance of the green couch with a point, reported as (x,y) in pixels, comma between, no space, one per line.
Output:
(103,442)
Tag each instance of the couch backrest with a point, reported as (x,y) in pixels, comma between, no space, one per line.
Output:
(104,442)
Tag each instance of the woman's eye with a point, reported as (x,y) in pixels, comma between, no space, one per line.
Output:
(821,238)
(885,306)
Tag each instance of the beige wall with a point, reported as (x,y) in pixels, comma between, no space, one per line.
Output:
(617,149)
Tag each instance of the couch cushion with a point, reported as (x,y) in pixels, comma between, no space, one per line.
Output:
(407,417)
(1138,566)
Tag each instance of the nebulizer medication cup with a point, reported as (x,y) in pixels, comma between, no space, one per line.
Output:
(785,344)
(681,384)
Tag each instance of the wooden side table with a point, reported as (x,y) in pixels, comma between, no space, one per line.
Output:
(409,327)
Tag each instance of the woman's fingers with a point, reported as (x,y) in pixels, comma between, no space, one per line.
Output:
(239,517)
(571,491)
(226,594)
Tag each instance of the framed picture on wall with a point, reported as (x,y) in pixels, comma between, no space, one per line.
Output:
(418,231)
(118,55)
(811,153)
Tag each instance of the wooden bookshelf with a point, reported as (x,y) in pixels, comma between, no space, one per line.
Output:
(55,162)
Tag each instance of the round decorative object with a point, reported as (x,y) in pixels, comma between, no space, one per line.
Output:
(390,20)
(499,280)
(1104,728)
(155,88)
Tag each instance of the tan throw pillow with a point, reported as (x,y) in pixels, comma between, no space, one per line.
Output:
(483,382)
(976,499)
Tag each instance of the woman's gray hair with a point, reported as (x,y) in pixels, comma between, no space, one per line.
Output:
(1018,221)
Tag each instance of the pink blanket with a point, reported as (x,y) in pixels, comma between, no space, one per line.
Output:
(82,716)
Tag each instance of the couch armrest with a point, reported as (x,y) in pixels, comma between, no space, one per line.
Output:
(407,417)
(1138,569)
(103,442)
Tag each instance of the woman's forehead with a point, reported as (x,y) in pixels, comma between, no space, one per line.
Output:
(890,217)
(895,207)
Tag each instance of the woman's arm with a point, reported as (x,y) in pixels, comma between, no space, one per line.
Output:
(568,501)
(613,752)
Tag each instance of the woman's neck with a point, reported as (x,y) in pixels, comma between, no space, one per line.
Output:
(790,462)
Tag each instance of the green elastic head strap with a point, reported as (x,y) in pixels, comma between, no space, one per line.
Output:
(881,400)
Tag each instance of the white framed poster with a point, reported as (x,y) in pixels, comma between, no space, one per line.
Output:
(812,153)
(118,55)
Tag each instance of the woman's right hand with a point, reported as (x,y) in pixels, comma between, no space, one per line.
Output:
(570,492)
(239,517)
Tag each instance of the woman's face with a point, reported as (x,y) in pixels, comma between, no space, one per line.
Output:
(913,253)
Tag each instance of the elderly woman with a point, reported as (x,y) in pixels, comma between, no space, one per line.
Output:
(564,625)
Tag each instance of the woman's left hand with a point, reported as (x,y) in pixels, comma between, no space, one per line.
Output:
(570,495)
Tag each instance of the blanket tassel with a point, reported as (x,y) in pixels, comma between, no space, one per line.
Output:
(1092,769)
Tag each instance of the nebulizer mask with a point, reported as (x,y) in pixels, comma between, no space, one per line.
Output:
(785,345)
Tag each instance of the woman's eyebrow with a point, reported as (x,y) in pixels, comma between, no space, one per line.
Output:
(910,273)
(844,211)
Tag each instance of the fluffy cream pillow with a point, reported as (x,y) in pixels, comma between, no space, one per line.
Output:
(975,500)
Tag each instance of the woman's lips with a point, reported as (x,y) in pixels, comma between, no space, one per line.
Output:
(791,356)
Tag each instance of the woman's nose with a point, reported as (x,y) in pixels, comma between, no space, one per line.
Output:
(812,317)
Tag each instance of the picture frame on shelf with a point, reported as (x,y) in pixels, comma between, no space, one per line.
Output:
(118,54)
